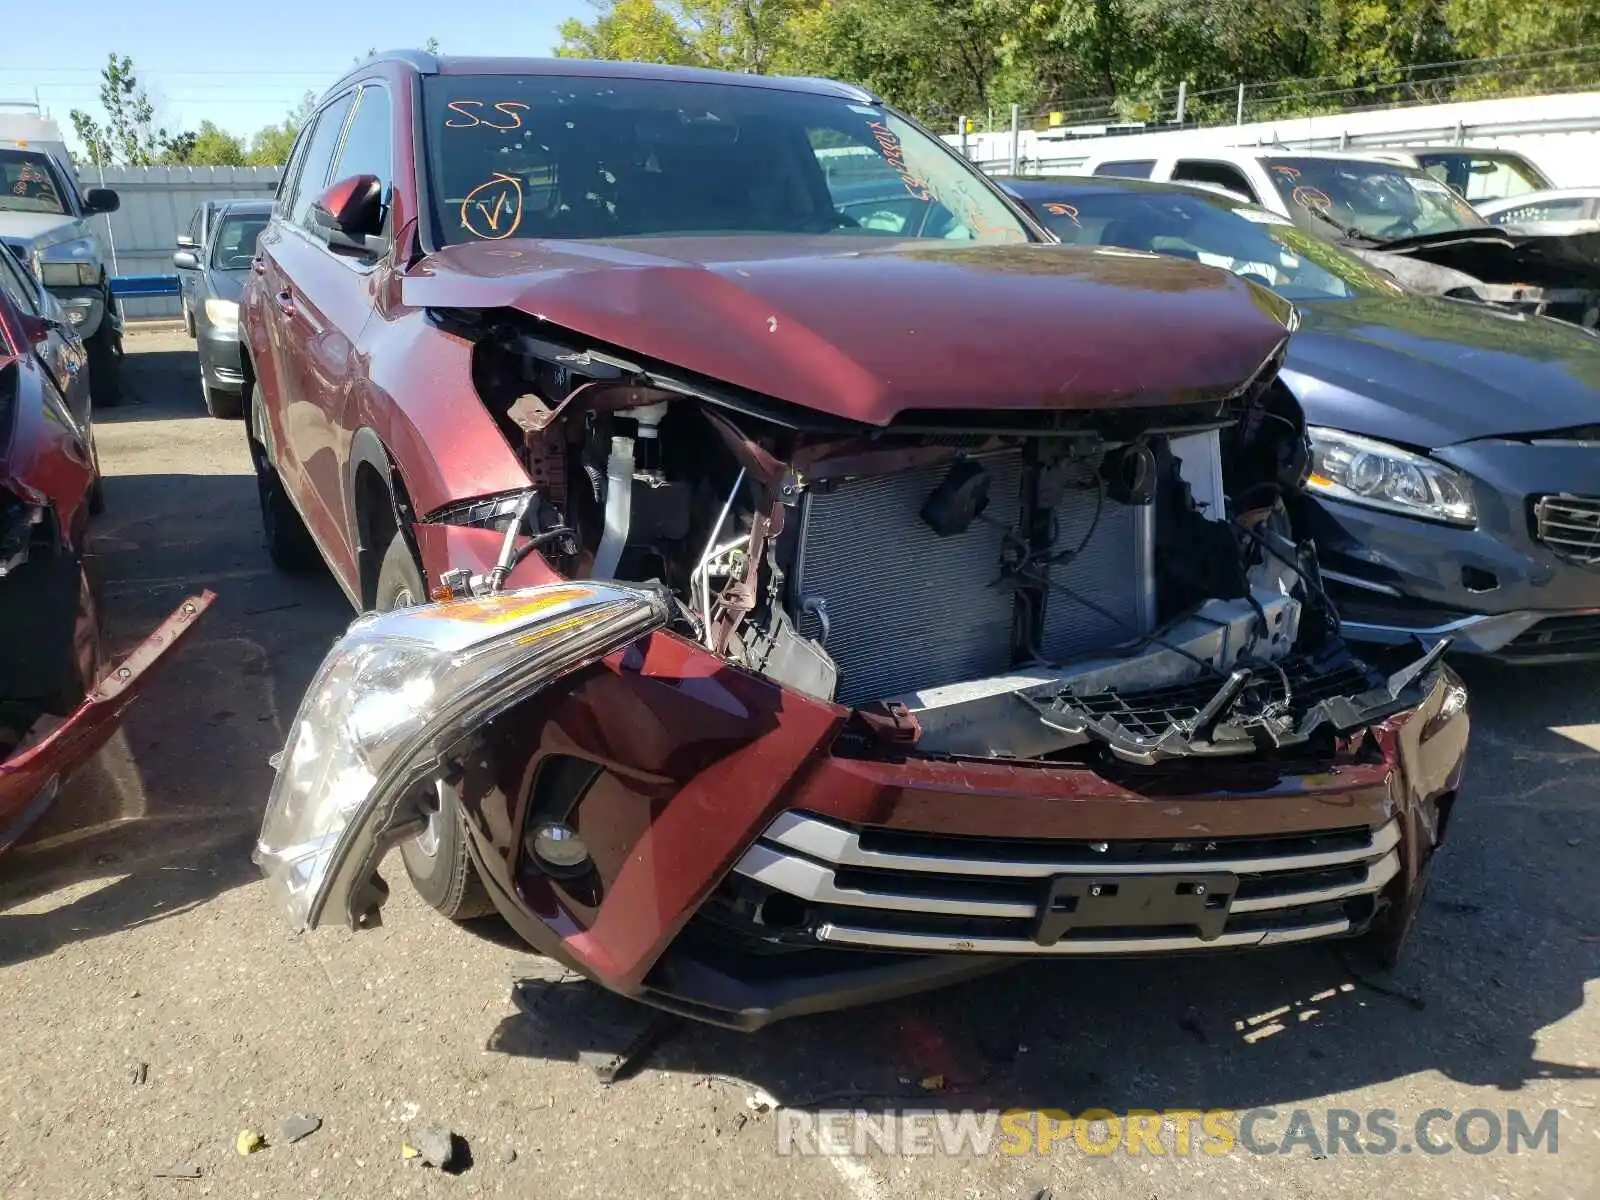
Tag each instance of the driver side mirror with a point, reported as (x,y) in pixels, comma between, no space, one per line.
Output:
(349,214)
(101,200)
(185,260)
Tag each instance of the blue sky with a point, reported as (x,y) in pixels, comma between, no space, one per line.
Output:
(245,65)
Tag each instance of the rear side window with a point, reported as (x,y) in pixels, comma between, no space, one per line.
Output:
(284,196)
(1217,173)
(1127,168)
(320,150)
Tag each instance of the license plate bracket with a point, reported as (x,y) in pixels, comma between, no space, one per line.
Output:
(1198,900)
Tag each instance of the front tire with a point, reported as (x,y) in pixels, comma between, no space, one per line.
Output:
(105,365)
(436,859)
(188,319)
(287,539)
(225,406)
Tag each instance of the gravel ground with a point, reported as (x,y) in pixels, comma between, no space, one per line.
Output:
(152,1006)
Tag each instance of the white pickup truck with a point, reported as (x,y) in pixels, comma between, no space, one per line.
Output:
(1399,217)
(44,221)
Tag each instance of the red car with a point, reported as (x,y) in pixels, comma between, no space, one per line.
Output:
(59,702)
(808,611)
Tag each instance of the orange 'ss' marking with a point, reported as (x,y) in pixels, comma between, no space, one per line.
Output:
(493,209)
(503,106)
(458,107)
(473,120)
(1064,210)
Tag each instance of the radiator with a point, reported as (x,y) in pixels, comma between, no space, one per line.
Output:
(908,609)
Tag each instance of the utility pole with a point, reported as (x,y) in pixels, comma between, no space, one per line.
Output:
(1183,96)
(1016,137)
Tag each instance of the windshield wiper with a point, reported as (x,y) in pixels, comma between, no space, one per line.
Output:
(1350,232)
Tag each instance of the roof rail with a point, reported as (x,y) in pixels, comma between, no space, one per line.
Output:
(427,63)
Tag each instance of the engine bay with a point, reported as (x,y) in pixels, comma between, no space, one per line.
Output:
(1014,585)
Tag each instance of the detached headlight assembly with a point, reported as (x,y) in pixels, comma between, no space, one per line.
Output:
(69,264)
(1362,470)
(222,314)
(390,704)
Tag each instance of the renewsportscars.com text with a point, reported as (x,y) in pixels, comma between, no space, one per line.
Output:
(1170,1132)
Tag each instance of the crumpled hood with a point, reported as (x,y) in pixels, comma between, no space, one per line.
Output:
(1494,254)
(1429,372)
(37,230)
(865,330)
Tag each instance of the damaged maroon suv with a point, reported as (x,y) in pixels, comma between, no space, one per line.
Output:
(791,578)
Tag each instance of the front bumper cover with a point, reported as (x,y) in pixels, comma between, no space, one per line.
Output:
(1495,589)
(88,301)
(718,813)
(780,878)
(31,777)
(220,359)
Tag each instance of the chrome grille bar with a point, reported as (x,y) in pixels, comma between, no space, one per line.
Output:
(806,858)
(931,943)
(842,847)
(1569,525)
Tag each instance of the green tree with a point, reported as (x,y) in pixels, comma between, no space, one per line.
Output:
(1481,29)
(938,58)
(1096,60)
(629,31)
(270,147)
(128,135)
(214,147)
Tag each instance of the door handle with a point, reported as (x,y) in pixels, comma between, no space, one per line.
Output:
(258,265)
(285,304)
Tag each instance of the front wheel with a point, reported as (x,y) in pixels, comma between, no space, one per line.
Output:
(436,859)
(288,541)
(105,365)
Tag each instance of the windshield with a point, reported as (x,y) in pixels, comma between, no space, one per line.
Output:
(234,244)
(28,184)
(1379,201)
(576,157)
(1248,241)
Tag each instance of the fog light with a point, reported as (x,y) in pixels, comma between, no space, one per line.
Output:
(559,847)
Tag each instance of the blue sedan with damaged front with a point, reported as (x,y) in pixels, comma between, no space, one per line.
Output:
(1455,480)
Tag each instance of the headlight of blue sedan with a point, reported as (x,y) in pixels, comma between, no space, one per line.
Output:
(1359,470)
